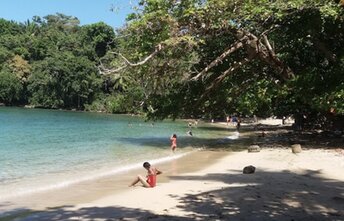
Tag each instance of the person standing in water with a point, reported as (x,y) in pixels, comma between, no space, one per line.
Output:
(173,142)
(150,180)
(238,124)
(190,129)
(228,120)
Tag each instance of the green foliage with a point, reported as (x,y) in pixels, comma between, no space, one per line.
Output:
(99,36)
(5,55)
(10,87)
(9,27)
(117,103)
(63,81)
(50,62)
(307,36)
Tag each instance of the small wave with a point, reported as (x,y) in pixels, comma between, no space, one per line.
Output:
(234,136)
(64,184)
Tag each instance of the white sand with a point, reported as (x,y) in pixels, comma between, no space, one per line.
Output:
(285,186)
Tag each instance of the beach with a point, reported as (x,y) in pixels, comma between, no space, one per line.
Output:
(209,184)
(285,186)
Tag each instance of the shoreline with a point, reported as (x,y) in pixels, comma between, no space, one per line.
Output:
(95,189)
(209,184)
(90,178)
(285,186)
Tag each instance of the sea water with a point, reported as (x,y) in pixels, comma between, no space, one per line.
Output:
(45,149)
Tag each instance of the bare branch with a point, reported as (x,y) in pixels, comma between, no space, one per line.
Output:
(268,55)
(268,45)
(105,71)
(235,46)
(140,62)
(220,78)
(127,63)
(267,31)
(230,70)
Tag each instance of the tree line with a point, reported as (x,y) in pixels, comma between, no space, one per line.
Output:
(190,58)
(52,62)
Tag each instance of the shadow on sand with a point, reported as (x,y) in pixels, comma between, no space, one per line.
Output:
(288,196)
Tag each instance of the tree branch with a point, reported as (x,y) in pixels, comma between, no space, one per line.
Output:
(268,45)
(127,63)
(229,71)
(235,46)
(268,55)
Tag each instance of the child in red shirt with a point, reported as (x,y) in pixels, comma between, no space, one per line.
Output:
(151,176)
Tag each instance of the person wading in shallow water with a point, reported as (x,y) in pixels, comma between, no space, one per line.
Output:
(173,142)
(238,124)
(150,180)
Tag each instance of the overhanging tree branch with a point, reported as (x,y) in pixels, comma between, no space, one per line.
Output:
(268,55)
(229,71)
(157,50)
(127,63)
(255,48)
(235,46)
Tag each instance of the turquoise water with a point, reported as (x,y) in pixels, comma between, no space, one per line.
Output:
(46,149)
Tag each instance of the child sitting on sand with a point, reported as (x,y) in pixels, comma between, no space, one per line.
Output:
(151,176)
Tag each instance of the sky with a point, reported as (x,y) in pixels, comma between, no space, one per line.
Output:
(87,11)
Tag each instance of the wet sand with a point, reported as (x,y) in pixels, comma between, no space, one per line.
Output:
(96,189)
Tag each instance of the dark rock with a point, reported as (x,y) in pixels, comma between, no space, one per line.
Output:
(249,169)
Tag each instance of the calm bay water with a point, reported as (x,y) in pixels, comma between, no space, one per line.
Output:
(46,149)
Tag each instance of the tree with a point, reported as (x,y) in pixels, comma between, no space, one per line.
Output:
(100,36)
(20,67)
(10,87)
(211,55)
(63,81)
(50,57)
